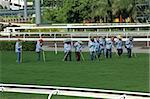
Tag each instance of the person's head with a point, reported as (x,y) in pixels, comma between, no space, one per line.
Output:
(19,40)
(41,41)
(131,38)
(112,38)
(103,37)
(100,38)
(119,37)
(97,38)
(92,39)
(80,42)
(67,41)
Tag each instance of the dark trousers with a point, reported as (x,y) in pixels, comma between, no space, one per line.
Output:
(78,56)
(98,53)
(18,57)
(108,53)
(38,56)
(102,51)
(93,55)
(120,51)
(129,52)
(68,55)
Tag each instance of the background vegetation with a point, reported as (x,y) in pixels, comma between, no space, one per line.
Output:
(89,11)
(77,11)
(10,45)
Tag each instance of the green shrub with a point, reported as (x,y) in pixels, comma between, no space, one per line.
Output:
(10,45)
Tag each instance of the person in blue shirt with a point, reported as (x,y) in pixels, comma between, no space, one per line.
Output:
(119,45)
(103,46)
(67,50)
(97,48)
(109,45)
(78,49)
(129,46)
(92,47)
(39,49)
(18,50)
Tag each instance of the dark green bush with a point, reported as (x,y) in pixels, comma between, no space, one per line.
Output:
(10,45)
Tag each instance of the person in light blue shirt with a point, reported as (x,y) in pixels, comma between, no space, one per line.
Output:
(18,49)
(97,48)
(39,49)
(119,45)
(78,49)
(129,46)
(92,47)
(102,46)
(109,44)
(67,50)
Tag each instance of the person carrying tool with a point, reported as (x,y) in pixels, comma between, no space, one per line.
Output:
(39,49)
(92,47)
(129,46)
(119,45)
(78,49)
(18,50)
(67,50)
(109,44)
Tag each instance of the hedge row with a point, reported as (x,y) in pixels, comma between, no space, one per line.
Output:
(10,46)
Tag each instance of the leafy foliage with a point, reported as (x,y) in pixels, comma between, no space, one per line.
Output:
(77,11)
(9,46)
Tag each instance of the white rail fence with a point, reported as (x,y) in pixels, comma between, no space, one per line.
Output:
(70,91)
(55,35)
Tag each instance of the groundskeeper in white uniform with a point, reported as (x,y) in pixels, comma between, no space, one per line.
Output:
(109,44)
(129,46)
(67,50)
(119,45)
(92,48)
(18,48)
(97,49)
(39,49)
(78,49)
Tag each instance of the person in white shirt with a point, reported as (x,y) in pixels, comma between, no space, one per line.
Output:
(78,49)
(129,46)
(97,48)
(109,44)
(67,50)
(119,45)
(39,49)
(92,47)
(18,49)
(103,46)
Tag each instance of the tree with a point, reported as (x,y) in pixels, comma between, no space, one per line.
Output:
(1,7)
(76,11)
(124,8)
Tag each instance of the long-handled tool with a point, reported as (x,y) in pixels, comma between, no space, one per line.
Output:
(82,56)
(21,56)
(65,56)
(133,54)
(21,60)
(44,56)
(115,50)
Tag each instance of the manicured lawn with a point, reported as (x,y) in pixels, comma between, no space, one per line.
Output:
(34,96)
(118,73)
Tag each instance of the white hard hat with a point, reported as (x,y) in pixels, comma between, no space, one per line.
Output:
(80,42)
(67,40)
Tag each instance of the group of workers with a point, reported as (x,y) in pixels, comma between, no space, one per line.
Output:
(97,47)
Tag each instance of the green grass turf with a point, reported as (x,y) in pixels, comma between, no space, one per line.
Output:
(34,96)
(118,73)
